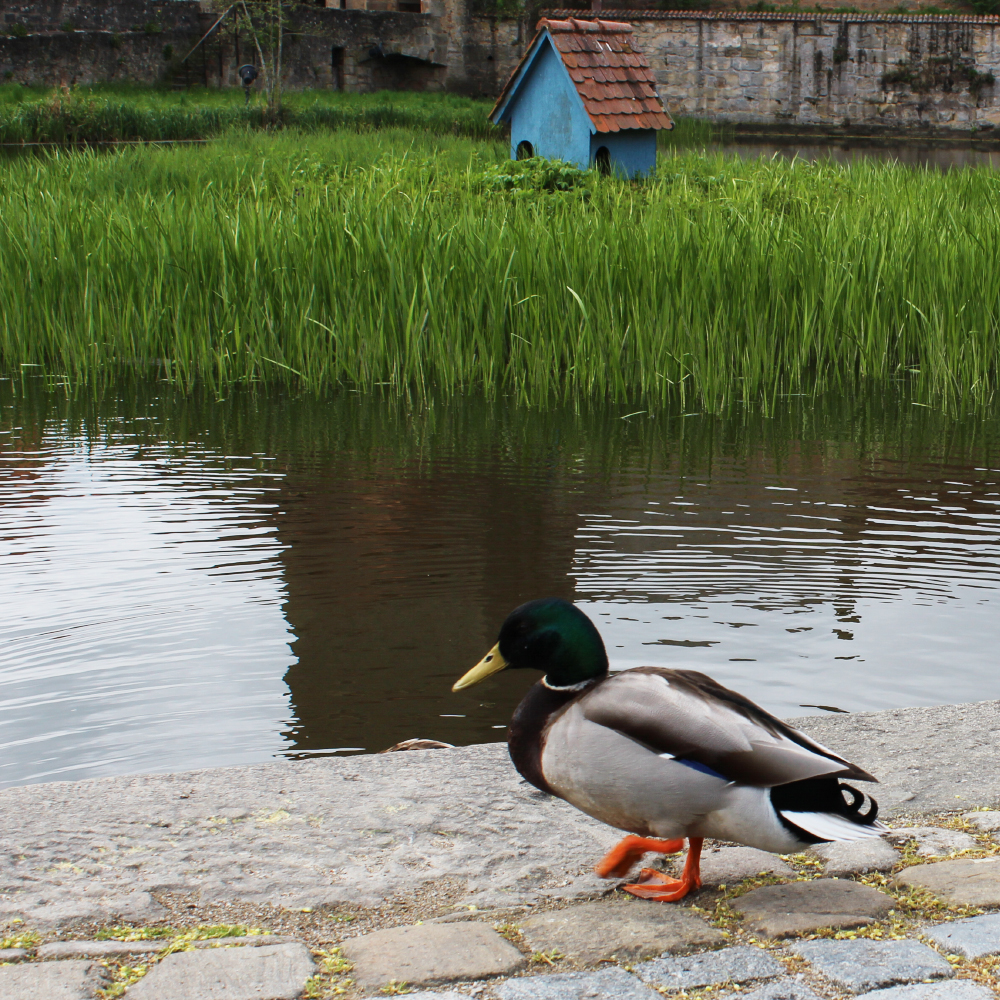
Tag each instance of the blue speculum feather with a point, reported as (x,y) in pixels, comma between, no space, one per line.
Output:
(697,766)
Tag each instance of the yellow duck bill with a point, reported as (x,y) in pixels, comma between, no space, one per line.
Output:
(492,663)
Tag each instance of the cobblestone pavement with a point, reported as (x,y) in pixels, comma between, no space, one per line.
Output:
(107,886)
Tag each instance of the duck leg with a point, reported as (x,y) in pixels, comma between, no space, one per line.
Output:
(617,862)
(664,889)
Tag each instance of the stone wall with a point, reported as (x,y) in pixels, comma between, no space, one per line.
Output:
(493,49)
(874,72)
(350,45)
(48,16)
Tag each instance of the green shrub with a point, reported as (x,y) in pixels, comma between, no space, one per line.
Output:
(534,174)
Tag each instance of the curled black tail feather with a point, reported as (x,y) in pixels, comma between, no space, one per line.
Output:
(822,795)
(854,806)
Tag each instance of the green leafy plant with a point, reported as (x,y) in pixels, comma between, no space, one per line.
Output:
(118,933)
(122,977)
(534,174)
(22,939)
(546,957)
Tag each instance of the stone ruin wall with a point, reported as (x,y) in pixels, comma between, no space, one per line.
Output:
(876,72)
(108,42)
(360,46)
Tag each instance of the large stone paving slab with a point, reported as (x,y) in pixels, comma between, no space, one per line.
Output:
(862,965)
(310,833)
(51,981)
(69,902)
(802,907)
(98,949)
(972,938)
(730,865)
(986,820)
(782,989)
(931,841)
(276,972)
(855,857)
(427,954)
(950,989)
(608,984)
(296,834)
(591,932)
(436,995)
(966,881)
(730,965)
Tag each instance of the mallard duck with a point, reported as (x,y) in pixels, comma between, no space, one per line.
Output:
(664,754)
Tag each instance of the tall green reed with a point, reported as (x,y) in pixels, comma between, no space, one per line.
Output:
(127,113)
(387,261)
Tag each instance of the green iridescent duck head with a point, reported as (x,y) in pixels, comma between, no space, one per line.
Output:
(550,635)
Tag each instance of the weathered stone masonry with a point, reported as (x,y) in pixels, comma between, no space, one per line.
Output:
(879,71)
(875,72)
(364,45)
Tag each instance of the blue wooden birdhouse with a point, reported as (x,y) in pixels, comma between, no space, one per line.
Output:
(584,93)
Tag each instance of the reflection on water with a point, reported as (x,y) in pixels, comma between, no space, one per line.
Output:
(141,590)
(190,582)
(908,154)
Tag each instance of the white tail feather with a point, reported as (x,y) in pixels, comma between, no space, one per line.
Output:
(830,826)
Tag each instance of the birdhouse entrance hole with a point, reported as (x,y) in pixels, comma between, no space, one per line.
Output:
(525,151)
(603,160)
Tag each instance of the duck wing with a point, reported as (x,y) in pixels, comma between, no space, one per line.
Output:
(686,715)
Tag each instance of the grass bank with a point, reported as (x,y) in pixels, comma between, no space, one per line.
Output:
(109,113)
(129,113)
(406,262)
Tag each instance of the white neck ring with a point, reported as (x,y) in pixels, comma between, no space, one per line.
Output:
(566,687)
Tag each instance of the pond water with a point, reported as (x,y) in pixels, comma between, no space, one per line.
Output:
(189,582)
(938,156)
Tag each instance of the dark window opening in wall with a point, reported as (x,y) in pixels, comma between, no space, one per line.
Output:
(337,69)
(394,71)
(409,6)
(603,160)
(525,151)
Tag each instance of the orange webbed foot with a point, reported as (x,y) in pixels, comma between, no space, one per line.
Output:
(617,862)
(662,888)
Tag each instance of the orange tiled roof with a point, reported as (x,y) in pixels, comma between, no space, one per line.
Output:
(611,74)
